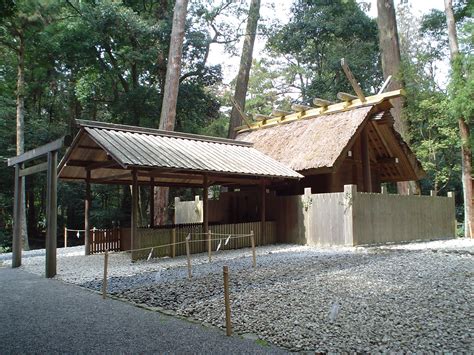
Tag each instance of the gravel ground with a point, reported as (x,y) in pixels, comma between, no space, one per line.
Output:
(408,297)
(43,316)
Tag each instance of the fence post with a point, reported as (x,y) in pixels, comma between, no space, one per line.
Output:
(65,236)
(228,325)
(455,223)
(173,241)
(432,193)
(104,282)
(254,258)
(209,245)
(188,255)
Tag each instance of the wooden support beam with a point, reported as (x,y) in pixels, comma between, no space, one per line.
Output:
(134,214)
(352,80)
(40,151)
(152,202)
(300,108)
(112,177)
(366,161)
(51,214)
(240,111)
(87,207)
(385,85)
(263,195)
(34,169)
(109,164)
(205,211)
(280,113)
(17,198)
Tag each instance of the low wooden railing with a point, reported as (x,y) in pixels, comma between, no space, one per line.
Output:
(105,239)
(164,235)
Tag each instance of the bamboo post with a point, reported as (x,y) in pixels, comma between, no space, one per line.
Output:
(188,256)
(104,282)
(65,237)
(209,245)
(254,257)
(228,325)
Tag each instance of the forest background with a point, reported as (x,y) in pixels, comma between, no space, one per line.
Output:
(106,60)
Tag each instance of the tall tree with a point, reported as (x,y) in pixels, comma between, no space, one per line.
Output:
(391,65)
(458,76)
(18,20)
(173,70)
(170,95)
(245,66)
(390,50)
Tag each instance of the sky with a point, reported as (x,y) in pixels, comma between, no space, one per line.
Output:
(276,9)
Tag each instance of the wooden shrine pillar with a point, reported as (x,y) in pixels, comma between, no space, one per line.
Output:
(152,202)
(16,243)
(87,213)
(134,214)
(52,214)
(263,194)
(205,210)
(366,161)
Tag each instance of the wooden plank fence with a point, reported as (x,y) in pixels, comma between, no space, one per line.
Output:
(164,235)
(105,239)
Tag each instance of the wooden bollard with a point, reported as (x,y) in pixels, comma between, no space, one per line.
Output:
(104,282)
(254,256)
(228,325)
(65,237)
(188,256)
(209,245)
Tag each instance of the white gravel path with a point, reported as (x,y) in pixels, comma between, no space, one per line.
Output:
(407,297)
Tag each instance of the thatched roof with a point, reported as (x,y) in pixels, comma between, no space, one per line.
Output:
(311,143)
(319,144)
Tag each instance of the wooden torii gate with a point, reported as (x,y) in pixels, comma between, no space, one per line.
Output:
(51,151)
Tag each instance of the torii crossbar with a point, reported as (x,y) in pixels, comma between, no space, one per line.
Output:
(51,151)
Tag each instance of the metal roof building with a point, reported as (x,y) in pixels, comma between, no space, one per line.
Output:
(110,153)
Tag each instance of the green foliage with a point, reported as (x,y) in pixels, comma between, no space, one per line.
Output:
(312,44)
(99,60)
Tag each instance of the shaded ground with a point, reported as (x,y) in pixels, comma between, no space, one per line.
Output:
(398,298)
(48,316)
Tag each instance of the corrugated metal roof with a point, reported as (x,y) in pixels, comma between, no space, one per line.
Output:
(139,147)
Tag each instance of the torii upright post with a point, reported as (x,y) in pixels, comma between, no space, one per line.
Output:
(52,214)
(51,151)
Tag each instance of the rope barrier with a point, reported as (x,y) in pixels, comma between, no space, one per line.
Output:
(236,236)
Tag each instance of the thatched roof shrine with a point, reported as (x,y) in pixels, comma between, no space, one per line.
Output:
(335,140)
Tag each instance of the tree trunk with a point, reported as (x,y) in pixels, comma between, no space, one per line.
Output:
(170,96)
(245,66)
(20,130)
(466,149)
(391,65)
(173,71)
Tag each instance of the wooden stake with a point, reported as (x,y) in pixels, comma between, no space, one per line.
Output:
(104,282)
(65,237)
(228,325)
(209,245)
(254,257)
(188,256)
